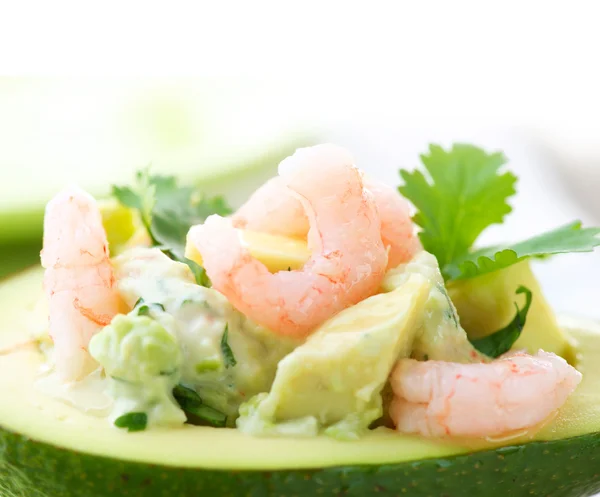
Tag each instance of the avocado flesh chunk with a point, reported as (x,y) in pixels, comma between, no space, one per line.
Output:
(334,379)
(60,451)
(440,336)
(487,303)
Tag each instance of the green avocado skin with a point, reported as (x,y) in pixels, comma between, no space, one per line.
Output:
(562,468)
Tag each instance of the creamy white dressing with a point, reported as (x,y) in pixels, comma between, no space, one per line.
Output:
(89,395)
(197,317)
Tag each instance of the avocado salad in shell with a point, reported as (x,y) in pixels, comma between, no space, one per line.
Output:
(334,335)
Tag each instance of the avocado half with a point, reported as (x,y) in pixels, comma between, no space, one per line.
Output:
(48,449)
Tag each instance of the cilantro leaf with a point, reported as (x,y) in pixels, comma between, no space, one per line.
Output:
(142,197)
(186,397)
(501,341)
(461,194)
(132,421)
(569,238)
(168,211)
(226,349)
(177,211)
(196,411)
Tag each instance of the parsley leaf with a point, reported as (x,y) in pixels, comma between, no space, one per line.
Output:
(569,238)
(461,195)
(132,421)
(196,411)
(168,211)
(226,349)
(501,341)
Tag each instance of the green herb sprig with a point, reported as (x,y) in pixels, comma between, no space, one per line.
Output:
(463,191)
(168,211)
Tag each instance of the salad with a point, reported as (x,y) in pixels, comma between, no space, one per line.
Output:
(328,304)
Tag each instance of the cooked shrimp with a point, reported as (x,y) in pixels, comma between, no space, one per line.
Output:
(78,281)
(273,208)
(397,229)
(348,256)
(514,392)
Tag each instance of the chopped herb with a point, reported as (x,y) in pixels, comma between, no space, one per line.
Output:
(194,301)
(208,415)
(144,309)
(501,341)
(450,311)
(186,397)
(168,373)
(289,268)
(199,272)
(168,211)
(132,421)
(226,349)
(197,411)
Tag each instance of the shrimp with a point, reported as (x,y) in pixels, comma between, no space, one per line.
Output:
(514,392)
(348,258)
(397,229)
(273,208)
(78,280)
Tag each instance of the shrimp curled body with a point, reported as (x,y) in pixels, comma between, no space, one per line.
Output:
(78,280)
(348,258)
(274,208)
(514,392)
